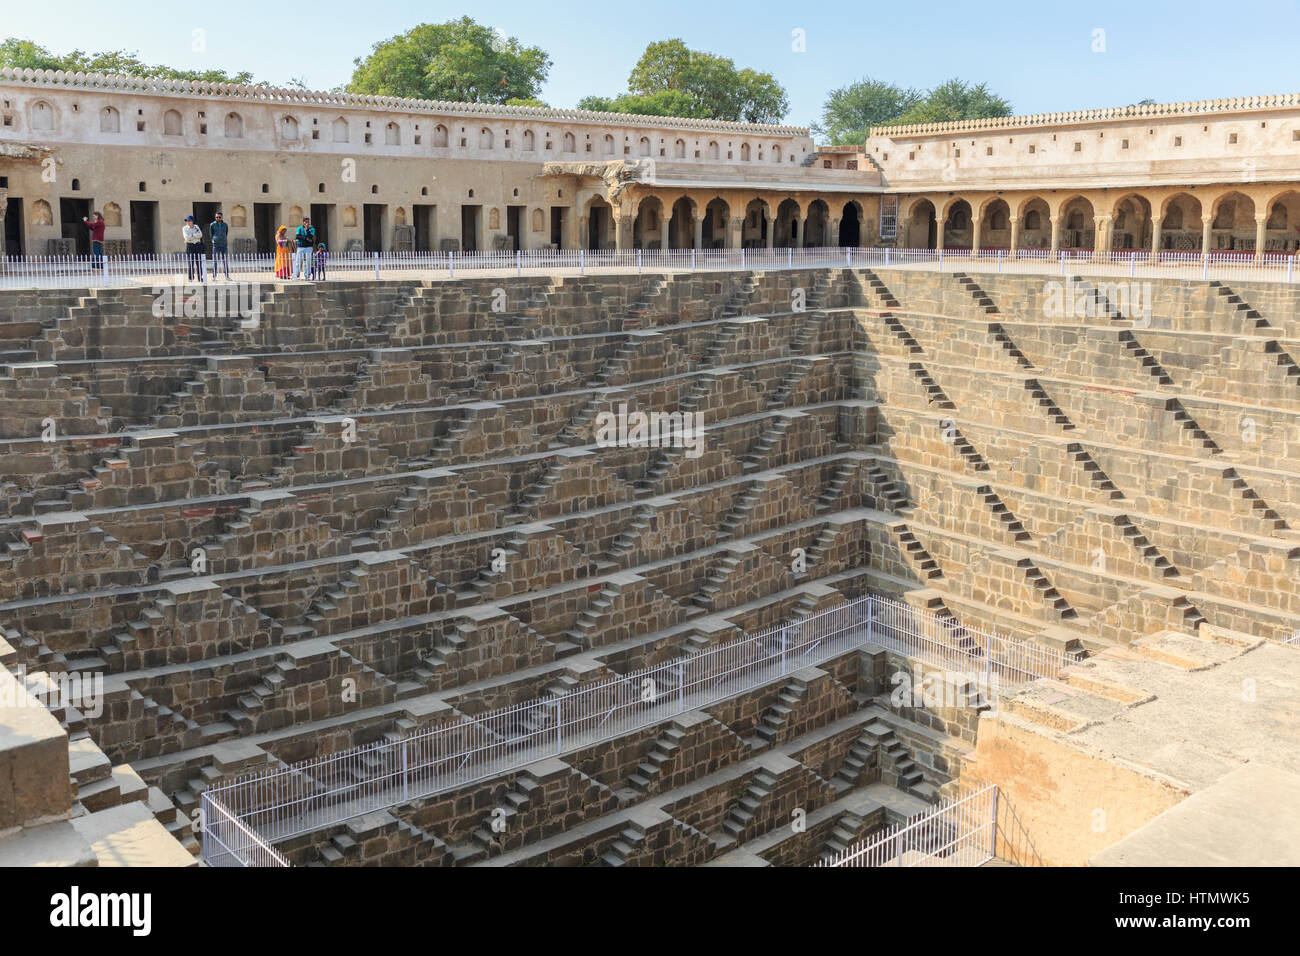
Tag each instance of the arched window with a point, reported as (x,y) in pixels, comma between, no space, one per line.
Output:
(172,123)
(234,126)
(109,121)
(530,141)
(570,143)
(997,219)
(958,219)
(1227,215)
(609,145)
(1033,220)
(42,115)
(340,130)
(485,138)
(392,135)
(679,149)
(440,135)
(1174,216)
(288,128)
(713,151)
(1277,219)
(1075,220)
(744,152)
(645,145)
(776,154)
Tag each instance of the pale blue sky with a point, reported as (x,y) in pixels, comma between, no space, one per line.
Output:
(1038,55)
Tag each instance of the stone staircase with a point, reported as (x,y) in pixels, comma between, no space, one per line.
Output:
(756,459)
(663,750)
(844,476)
(760,787)
(1144,358)
(1049,407)
(980,297)
(717,578)
(934,394)
(772,726)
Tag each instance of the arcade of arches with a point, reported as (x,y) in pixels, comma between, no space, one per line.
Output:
(719,220)
(1250,220)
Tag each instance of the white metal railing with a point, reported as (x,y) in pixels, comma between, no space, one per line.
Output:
(145,271)
(322,791)
(961,831)
(228,842)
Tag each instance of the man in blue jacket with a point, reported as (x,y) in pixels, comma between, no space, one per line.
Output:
(306,237)
(218,230)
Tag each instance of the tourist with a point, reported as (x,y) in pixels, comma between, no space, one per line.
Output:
(193,237)
(218,230)
(306,238)
(283,257)
(318,262)
(96,228)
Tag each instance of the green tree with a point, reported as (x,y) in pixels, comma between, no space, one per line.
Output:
(670,79)
(458,60)
(663,103)
(955,100)
(24,54)
(852,110)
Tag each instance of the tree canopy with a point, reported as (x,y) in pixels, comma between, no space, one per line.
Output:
(26,55)
(459,60)
(670,79)
(852,110)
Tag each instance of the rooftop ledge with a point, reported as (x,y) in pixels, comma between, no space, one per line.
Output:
(1241,104)
(156,86)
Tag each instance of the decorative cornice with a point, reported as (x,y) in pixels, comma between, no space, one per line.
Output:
(153,86)
(1192,108)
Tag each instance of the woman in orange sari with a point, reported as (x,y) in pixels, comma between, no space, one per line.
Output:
(283,254)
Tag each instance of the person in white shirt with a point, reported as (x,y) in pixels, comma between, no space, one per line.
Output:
(193,237)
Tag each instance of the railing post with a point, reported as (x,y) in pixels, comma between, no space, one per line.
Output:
(1290,261)
(742,257)
(999,260)
(848,256)
(785,649)
(789,257)
(406,778)
(559,717)
(988,671)
(886,257)
(376,265)
(681,687)
(692,260)
(1062,262)
(940,259)
(1205,266)
(638,261)
(582,265)
(519,263)
(871,600)
(993,836)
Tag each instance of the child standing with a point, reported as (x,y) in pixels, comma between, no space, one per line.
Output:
(318,262)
